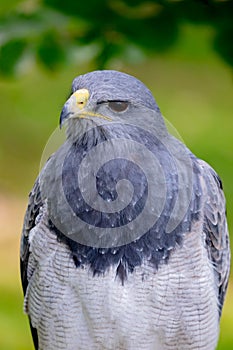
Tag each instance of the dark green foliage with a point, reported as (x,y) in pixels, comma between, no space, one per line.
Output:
(53,28)
(96,11)
(10,53)
(224,44)
(50,51)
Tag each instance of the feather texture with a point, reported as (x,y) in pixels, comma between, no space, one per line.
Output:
(162,289)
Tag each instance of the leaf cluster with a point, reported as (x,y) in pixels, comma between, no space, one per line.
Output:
(56,32)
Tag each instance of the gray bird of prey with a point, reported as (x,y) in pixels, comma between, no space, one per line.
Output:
(125,241)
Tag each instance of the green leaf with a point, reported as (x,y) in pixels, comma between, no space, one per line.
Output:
(222,44)
(50,51)
(157,33)
(108,51)
(10,54)
(93,11)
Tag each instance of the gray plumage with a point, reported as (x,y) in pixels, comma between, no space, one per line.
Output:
(141,276)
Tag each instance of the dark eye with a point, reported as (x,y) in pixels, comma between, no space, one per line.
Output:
(118,106)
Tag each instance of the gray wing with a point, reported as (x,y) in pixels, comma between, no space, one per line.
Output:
(216,230)
(32,212)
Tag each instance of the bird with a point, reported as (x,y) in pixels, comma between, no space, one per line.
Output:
(125,242)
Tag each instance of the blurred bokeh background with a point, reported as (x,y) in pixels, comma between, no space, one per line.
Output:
(182,50)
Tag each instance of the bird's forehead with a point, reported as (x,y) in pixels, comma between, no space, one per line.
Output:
(113,85)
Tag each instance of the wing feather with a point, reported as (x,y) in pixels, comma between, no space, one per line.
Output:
(216,230)
(33,209)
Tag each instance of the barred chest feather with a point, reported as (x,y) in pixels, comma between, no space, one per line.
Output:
(174,307)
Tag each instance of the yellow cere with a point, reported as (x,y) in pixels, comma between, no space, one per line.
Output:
(82,97)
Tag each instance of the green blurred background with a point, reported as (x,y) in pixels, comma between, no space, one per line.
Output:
(193,86)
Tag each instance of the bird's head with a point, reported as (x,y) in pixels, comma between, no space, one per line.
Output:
(107,96)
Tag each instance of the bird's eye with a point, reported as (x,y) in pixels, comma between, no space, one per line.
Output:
(118,106)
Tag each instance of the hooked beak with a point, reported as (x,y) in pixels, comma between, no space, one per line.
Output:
(75,107)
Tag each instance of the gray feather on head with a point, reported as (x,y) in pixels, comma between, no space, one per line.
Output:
(109,85)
